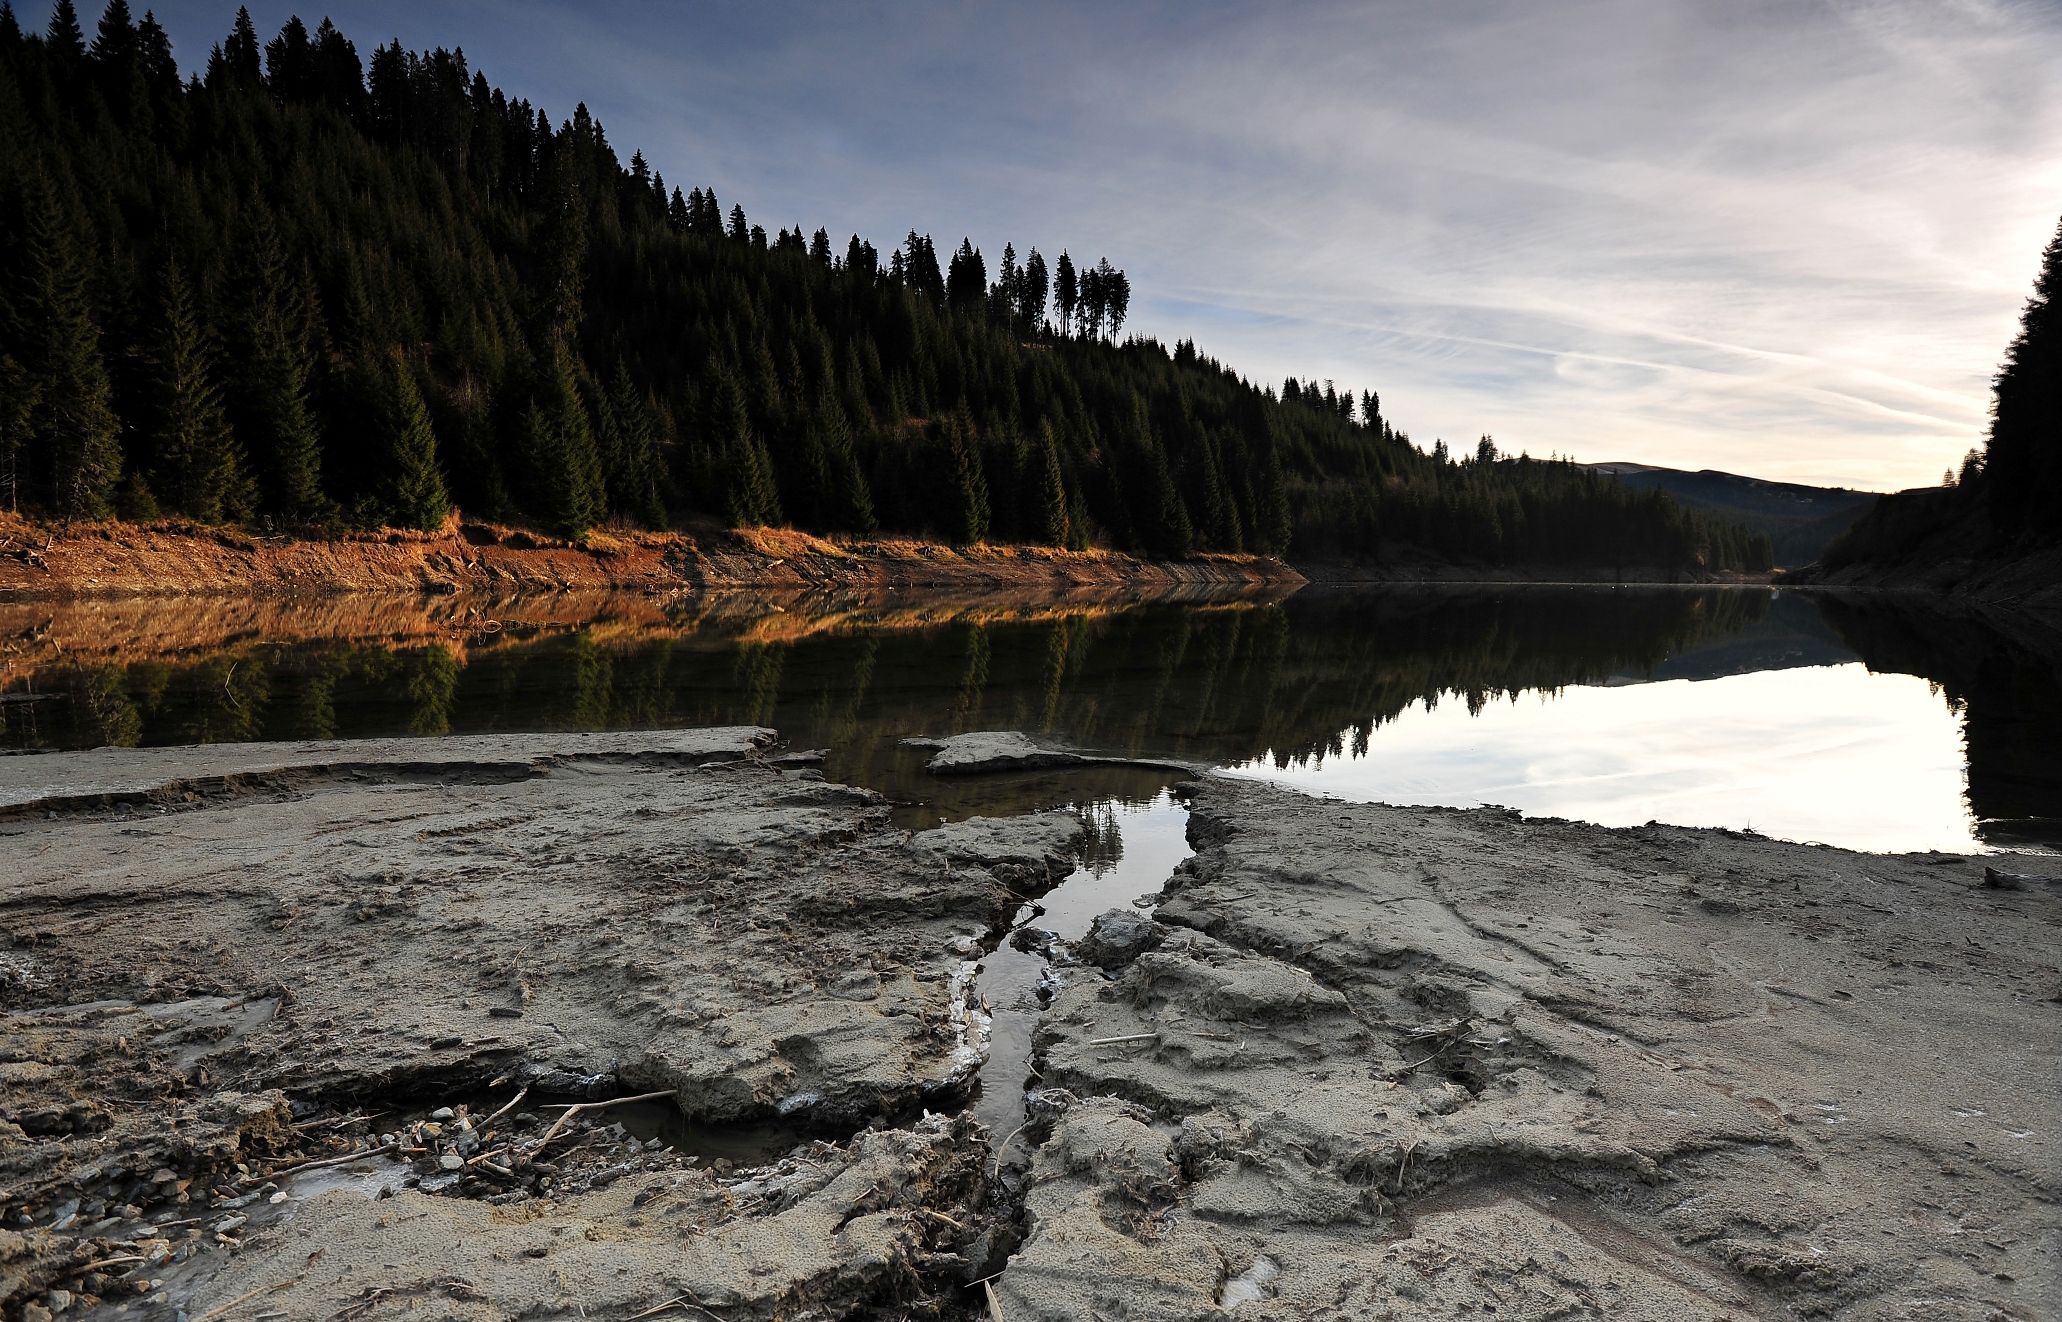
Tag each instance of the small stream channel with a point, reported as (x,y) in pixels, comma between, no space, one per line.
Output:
(1134,846)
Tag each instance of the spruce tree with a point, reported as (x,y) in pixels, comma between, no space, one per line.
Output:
(272,412)
(20,394)
(415,496)
(630,452)
(566,484)
(750,497)
(64,37)
(75,437)
(1052,488)
(967,483)
(196,465)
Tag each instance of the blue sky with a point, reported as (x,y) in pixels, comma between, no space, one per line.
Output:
(1782,237)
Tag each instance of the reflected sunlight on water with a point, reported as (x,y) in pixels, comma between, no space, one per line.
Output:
(1832,754)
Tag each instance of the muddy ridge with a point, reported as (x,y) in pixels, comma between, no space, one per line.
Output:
(664,1024)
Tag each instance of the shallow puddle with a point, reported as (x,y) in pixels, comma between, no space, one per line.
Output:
(1132,847)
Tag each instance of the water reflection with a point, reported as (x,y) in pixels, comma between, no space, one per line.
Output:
(1731,707)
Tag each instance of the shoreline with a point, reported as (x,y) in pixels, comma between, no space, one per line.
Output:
(172,559)
(167,559)
(1362,1056)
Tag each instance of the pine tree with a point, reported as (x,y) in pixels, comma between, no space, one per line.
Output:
(1054,517)
(967,505)
(64,38)
(272,412)
(74,439)
(566,484)
(415,496)
(240,51)
(20,394)
(1066,293)
(750,499)
(197,465)
(630,452)
(1032,287)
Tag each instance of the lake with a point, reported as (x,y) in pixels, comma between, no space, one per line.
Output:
(1879,725)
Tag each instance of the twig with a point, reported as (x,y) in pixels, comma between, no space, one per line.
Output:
(1132,1037)
(513,1103)
(115,1261)
(220,1309)
(346,1159)
(579,1108)
(994,1304)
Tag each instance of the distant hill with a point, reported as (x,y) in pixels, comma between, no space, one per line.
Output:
(1802,521)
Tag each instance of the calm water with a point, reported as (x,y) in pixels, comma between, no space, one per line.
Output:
(1875,726)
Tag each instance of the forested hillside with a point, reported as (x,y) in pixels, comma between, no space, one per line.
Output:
(1801,521)
(312,291)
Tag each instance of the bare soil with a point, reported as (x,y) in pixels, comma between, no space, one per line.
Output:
(173,559)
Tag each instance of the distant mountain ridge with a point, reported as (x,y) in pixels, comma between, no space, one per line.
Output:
(1802,521)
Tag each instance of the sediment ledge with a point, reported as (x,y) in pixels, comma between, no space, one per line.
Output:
(301,1029)
(174,559)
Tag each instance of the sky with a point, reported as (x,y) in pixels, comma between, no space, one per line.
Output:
(1788,238)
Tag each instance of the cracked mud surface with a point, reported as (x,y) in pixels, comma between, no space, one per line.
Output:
(1426,1063)
(1362,1062)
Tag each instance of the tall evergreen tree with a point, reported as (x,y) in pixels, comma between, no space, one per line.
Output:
(1054,515)
(967,504)
(415,496)
(271,408)
(197,467)
(565,471)
(751,499)
(64,38)
(1066,293)
(75,439)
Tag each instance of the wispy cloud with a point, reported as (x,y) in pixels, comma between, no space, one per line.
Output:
(1783,238)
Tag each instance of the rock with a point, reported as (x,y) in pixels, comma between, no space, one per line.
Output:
(1117,937)
(443,1115)
(229,1223)
(59,1300)
(35,1313)
(992,750)
(451,1161)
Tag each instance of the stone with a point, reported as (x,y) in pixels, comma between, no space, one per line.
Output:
(451,1161)
(1116,938)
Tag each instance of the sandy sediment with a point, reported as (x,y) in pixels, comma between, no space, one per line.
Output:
(1362,1062)
(1404,1063)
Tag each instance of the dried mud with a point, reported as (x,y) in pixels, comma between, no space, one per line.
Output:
(291,1032)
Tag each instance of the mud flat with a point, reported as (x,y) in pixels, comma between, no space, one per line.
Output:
(341,1031)
(1381,1062)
